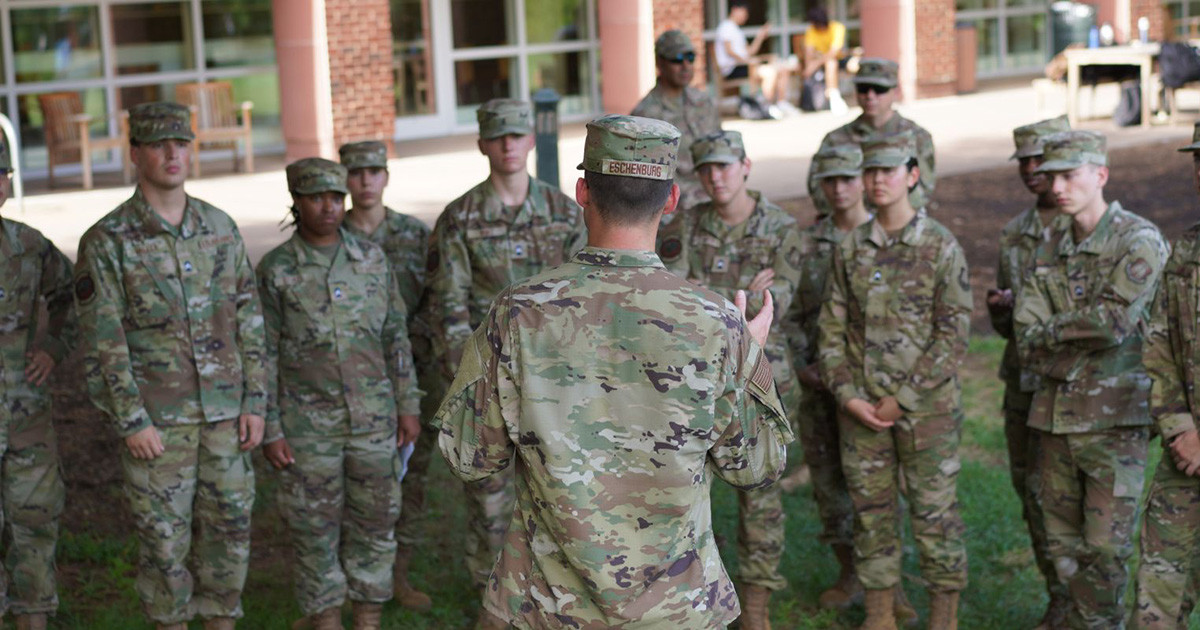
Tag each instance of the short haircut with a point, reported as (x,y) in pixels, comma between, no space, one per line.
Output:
(739,4)
(818,16)
(627,200)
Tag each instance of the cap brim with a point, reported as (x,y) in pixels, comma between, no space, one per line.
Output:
(1195,146)
(888,162)
(509,130)
(1025,152)
(874,81)
(717,159)
(840,172)
(1057,166)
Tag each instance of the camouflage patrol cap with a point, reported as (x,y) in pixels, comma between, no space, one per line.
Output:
(1068,150)
(722,147)
(673,43)
(631,146)
(151,122)
(889,151)
(843,160)
(366,154)
(1029,138)
(1195,145)
(309,176)
(503,117)
(877,71)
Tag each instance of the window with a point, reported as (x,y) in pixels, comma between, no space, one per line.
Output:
(1012,35)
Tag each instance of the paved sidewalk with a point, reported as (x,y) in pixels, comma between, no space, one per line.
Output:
(971,133)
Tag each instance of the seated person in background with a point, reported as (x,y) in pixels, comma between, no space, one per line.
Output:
(735,59)
(823,44)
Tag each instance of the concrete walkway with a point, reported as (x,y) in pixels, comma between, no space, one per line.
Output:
(971,133)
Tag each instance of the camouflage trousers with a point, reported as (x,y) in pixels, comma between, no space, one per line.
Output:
(818,430)
(340,500)
(761,537)
(1023,453)
(1090,484)
(1169,573)
(489,508)
(872,462)
(191,509)
(32,485)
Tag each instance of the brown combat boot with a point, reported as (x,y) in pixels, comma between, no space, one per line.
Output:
(906,615)
(328,619)
(488,621)
(34,621)
(755,610)
(1056,614)
(943,611)
(219,623)
(367,615)
(406,595)
(880,610)
(847,590)
(799,477)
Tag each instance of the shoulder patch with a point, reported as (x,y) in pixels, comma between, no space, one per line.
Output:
(762,376)
(85,288)
(670,249)
(1138,271)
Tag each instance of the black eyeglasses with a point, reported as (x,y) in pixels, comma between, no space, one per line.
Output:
(689,57)
(863,88)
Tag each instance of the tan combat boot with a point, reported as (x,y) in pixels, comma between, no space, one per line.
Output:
(328,619)
(880,611)
(943,611)
(755,612)
(799,477)
(219,623)
(407,596)
(906,615)
(367,615)
(488,621)
(34,621)
(847,590)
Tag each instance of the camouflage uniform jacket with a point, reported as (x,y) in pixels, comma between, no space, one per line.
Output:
(695,115)
(31,269)
(1171,352)
(1078,324)
(338,353)
(859,131)
(896,322)
(1019,241)
(479,247)
(615,456)
(817,244)
(169,318)
(404,239)
(699,247)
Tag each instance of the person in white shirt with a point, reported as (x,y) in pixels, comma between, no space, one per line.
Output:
(735,58)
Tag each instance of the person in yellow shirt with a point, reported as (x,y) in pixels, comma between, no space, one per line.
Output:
(823,44)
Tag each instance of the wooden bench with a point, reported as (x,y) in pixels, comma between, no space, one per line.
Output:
(215,120)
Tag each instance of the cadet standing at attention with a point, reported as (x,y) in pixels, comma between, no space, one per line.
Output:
(838,171)
(506,229)
(1019,241)
(1078,326)
(1170,550)
(739,241)
(404,240)
(689,109)
(892,335)
(615,455)
(33,273)
(338,352)
(172,333)
(876,89)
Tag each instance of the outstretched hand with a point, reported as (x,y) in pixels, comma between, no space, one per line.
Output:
(761,324)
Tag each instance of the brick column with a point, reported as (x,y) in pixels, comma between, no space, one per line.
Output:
(626,53)
(360,70)
(937,63)
(303,55)
(1152,10)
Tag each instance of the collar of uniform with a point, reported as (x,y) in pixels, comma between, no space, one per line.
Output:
(602,257)
(861,127)
(1095,242)
(711,222)
(826,230)
(10,245)
(153,223)
(910,235)
(1031,224)
(1192,255)
(494,210)
(687,96)
(306,254)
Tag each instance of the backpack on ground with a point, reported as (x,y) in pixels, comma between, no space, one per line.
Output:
(1129,108)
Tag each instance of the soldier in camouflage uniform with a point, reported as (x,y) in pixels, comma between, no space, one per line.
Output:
(172,332)
(404,240)
(338,351)
(504,230)
(1169,573)
(34,274)
(616,455)
(740,241)
(892,335)
(876,88)
(1019,241)
(1078,325)
(838,171)
(689,109)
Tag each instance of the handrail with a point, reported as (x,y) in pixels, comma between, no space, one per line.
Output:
(14,155)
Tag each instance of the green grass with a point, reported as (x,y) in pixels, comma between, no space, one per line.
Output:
(1005,590)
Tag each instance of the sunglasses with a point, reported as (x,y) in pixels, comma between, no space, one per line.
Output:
(689,57)
(877,89)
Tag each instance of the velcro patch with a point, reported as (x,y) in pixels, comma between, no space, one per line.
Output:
(670,249)
(626,168)
(85,288)
(1138,271)
(762,376)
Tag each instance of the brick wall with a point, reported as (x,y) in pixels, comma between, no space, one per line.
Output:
(937,65)
(360,70)
(687,16)
(1152,9)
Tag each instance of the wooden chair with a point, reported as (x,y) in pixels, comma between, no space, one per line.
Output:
(68,140)
(215,120)
(723,85)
